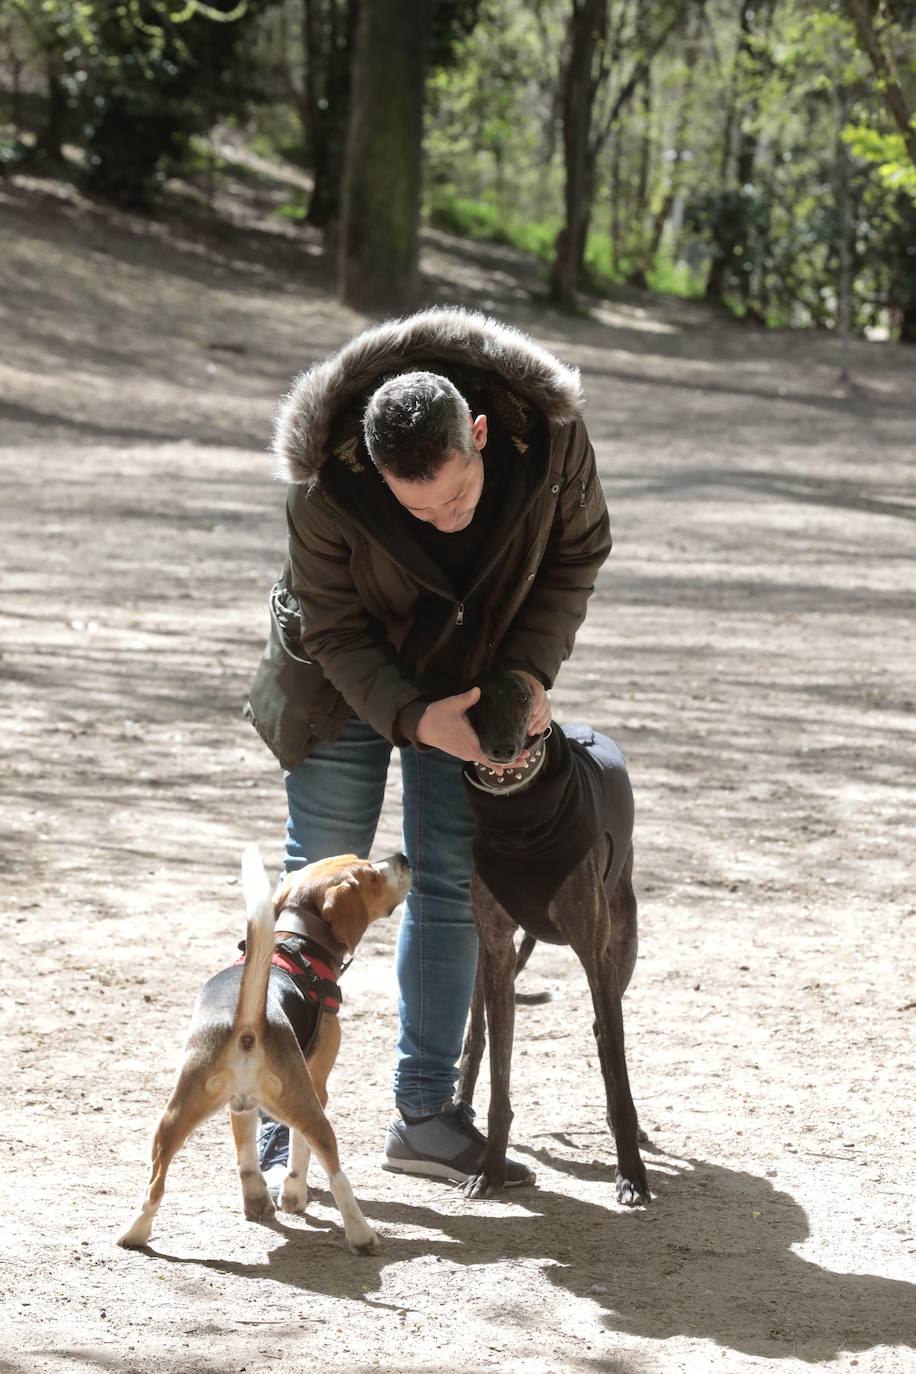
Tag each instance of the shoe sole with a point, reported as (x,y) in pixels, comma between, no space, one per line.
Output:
(430,1168)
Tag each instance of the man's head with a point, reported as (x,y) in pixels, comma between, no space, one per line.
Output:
(424,442)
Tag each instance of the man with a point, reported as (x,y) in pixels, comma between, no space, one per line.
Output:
(445,518)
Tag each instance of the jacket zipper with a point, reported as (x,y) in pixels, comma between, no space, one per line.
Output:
(482,575)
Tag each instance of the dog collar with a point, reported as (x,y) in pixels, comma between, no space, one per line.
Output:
(298,920)
(489,781)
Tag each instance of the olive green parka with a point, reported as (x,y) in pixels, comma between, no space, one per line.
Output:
(359,611)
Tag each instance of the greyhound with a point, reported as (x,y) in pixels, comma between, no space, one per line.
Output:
(553,854)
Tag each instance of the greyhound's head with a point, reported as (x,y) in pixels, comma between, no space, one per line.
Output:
(500,717)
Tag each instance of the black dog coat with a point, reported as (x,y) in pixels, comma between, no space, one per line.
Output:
(527,843)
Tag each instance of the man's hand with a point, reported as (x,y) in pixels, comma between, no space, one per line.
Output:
(444,725)
(539,715)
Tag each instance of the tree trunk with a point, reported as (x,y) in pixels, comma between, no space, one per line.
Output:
(585,76)
(328,69)
(637,275)
(587,27)
(379,246)
(50,140)
(616,196)
(721,249)
(691,54)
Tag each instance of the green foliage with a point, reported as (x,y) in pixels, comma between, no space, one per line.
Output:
(483,220)
(730,167)
(887,151)
(138,78)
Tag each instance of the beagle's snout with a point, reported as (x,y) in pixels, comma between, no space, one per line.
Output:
(396,870)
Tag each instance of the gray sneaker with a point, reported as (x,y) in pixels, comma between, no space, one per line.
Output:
(447,1145)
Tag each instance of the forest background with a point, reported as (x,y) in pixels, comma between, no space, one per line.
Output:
(759,154)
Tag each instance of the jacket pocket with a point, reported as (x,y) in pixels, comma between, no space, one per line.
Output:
(582,503)
(291,703)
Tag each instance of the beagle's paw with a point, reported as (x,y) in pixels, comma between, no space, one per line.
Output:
(135,1236)
(294,1194)
(362,1240)
(259,1206)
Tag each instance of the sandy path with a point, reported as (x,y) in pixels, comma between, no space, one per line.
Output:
(751,645)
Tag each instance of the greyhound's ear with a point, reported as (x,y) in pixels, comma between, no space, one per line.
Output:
(346,913)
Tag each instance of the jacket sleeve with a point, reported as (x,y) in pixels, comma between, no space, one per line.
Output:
(337,631)
(543,632)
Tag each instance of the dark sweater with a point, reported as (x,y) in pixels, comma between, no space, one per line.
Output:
(526,844)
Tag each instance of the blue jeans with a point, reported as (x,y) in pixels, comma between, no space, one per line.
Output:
(335,800)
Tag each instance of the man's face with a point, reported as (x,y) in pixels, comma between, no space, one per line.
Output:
(449,499)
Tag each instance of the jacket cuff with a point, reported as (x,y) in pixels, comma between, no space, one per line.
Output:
(406,722)
(508,665)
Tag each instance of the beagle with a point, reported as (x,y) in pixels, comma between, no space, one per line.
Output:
(250,1034)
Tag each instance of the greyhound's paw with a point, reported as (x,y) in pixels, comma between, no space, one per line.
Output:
(363,1240)
(259,1207)
(630,1194)
(479,1185)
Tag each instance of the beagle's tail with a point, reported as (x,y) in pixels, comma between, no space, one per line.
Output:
(248,1026)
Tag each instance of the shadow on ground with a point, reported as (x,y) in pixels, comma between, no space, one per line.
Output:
(741,1285)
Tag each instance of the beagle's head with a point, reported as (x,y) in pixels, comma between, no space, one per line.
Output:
(346,892)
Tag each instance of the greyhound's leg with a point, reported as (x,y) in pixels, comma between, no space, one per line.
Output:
(474,1041)
(624,932)
(497,967)
(582,912)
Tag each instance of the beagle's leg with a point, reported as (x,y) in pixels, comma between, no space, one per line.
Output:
(497,969)
(294,1193)
(255,1197)
(298,1105)
(581,911)
(187,1107)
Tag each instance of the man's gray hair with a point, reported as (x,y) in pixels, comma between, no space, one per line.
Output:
(413,422)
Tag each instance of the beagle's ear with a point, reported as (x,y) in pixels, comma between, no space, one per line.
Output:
(346,913)
(283,892)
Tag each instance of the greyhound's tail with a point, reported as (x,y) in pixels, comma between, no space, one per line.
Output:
(248,1026)
(530,999)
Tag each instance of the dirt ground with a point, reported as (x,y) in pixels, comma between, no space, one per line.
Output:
(752,645)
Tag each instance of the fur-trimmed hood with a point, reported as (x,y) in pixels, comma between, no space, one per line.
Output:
(463,337)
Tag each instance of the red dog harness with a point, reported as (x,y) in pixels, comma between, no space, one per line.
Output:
(310,990)
(312,976)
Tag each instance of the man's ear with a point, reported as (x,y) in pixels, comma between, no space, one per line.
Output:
(346,913)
